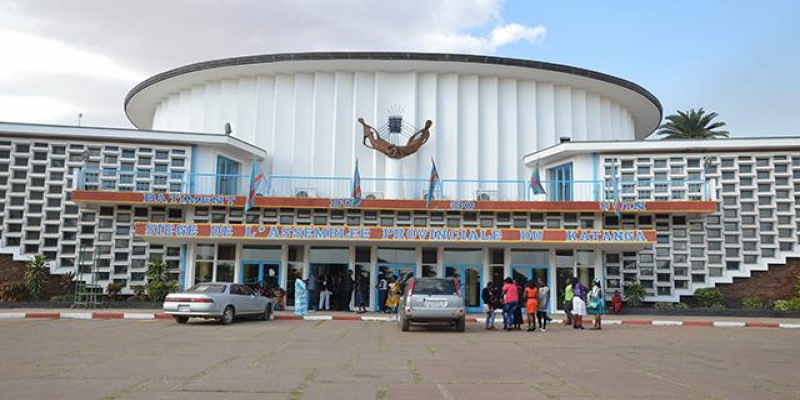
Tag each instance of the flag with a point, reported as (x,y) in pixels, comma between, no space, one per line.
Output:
(256,180)
(434,179)
(536,181)
(356,192)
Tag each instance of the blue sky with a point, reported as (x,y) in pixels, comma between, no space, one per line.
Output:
(738,58)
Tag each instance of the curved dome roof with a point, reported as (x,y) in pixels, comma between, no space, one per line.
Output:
(141,101)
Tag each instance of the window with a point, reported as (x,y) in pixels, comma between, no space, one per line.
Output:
(227,175)
(561,183)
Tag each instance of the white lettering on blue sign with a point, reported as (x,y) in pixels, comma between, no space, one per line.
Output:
(462,205)
(156,229)
(531,236)
(442,234)
(623,206)
(181,198)
(605,236)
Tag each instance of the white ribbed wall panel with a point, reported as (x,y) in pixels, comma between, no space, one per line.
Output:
(527,129)
(323,123)
(482,124)
(507,129)
(344,136)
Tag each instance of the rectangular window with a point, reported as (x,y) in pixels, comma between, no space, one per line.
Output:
(227,175)
(560,185)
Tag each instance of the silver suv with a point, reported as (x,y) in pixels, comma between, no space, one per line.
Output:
(429,300)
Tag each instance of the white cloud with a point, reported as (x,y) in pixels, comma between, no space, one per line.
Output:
(90,53)
(507,34)
(35,108)
(26,54)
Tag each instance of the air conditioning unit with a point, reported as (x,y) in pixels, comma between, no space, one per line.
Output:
(485,195)
(373,195)
(305,192)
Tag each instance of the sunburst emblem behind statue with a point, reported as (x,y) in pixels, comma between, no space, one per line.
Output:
(395,126)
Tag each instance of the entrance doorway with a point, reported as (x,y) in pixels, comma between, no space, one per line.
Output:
(524,273)
(392,271)
(469,276)
(336,276)
(261,276)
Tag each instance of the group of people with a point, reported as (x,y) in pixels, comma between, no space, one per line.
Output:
(317,293)
(532,299)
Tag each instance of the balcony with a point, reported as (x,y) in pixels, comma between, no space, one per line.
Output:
(112,180)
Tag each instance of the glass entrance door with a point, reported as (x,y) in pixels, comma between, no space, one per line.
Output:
(524,273)
(470,278)
(393,271)
(261,276)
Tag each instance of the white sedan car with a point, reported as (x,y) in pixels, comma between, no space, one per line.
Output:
(218,300)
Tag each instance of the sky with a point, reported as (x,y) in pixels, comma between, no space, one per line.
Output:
(741,59)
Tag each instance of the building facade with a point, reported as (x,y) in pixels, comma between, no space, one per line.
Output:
(674,216)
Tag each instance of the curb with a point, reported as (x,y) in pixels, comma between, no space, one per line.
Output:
(383,318)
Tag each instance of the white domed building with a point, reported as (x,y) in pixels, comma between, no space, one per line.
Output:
(257,169)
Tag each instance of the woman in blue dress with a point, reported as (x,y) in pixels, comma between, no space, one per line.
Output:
(300,296)
(597,304)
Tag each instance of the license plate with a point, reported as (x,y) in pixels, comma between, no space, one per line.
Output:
(435,304)
(183,307)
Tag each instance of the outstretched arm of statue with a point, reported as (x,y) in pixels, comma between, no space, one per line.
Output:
(369,132)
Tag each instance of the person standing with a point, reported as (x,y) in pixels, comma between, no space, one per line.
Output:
(488,297)
(300,296)
(394,295)
(510,301)
(312,292)
(568,296)
(362,292)
(597,304)
(544,302)
(324,294)
(347,290)
(578,303)
(383,290)
(531,304)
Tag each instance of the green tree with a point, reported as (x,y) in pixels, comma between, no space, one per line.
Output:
(695,124)
(158,283)
(36,274)
(634,293)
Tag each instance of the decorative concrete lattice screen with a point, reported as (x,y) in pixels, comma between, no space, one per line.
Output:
(36,216)
(756,223)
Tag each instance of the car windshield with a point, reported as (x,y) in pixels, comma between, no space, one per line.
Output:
(206,289)
(433,287)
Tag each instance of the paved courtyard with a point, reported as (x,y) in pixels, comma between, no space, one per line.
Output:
(286,359)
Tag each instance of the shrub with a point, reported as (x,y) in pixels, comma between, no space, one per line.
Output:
(752,303)
(61,298)
(158,283)
(718,307)
(634,293)
(787,305)
(708,297)
(13,291)
(664,306)
(681,306)
(36,274)
(113,289)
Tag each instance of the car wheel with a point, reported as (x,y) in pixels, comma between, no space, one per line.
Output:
(461,325)
(405,324)
(181,320)
(267,313)
(227,316)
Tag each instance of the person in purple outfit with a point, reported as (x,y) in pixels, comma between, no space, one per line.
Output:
(578,303)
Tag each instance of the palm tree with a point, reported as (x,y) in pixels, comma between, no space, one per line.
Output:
(692,125)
